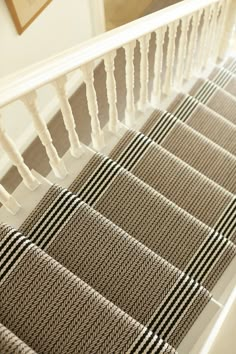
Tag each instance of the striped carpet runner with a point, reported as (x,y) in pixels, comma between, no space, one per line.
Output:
(117,265)
(187,144)
(54,311)
(178,182)
(125,259)
(205,121)
(154,220)
(211,93)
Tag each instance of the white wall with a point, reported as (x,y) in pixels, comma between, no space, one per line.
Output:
(63,24)
(60,26)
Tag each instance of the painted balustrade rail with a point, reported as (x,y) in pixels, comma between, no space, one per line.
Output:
(204,29)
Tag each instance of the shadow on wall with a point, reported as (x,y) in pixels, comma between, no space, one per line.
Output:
(119,12)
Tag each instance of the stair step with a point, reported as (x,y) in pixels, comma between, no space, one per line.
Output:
(133,241)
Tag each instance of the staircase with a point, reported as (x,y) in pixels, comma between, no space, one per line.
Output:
(127,244)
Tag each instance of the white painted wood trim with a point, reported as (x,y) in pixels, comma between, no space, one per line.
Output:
(19,84)
(222,337)
(8,201)
(97,15)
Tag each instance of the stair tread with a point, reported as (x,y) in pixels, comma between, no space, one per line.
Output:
(125,259)
(187,144)
(175,179)
(215,97)
(112,262)
(58,312)
(145,214)
(205,121)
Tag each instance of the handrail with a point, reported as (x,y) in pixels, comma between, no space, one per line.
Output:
(15,86)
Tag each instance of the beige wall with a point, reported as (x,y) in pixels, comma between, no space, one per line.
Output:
(119,12)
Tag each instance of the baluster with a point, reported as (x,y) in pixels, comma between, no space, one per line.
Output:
(144,72)
(219,31)
(55,161)
(111,90)
(168,82)
(8,201)
(129,77)
(213,39)
(158,64)
(203,39)
(227,28)
(68,117)
(205,56)
(17,160)
(182,52)
(191,52)
(97,134)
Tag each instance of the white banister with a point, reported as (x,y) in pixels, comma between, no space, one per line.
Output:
(206,27)
(168,81)
(182,51)
(144,71)
(97,134)
(109,62)
(191,63)
(68,117)
(16,159)
(158,66)
(8,201)
(41,128)
(18,85)
(129,79)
